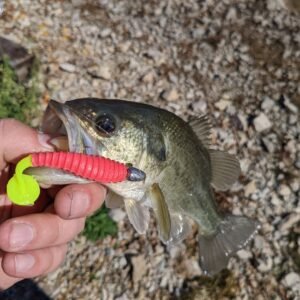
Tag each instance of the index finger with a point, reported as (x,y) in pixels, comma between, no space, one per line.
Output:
(20,140)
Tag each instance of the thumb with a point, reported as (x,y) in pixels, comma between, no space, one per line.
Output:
(17,140)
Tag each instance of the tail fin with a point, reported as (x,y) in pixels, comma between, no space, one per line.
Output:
(233,234)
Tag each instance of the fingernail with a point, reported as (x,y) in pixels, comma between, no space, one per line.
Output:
(24,262)
(21,234)
(44,140)
(80,203)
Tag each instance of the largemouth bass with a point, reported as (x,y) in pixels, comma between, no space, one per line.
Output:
(180,169)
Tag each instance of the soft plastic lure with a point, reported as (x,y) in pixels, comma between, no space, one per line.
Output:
(23,189)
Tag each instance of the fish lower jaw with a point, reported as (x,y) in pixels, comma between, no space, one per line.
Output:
(128,190)
(60,143)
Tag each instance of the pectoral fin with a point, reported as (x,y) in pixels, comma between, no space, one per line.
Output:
(161,211)
(138,215)
(225,169)
(113,200)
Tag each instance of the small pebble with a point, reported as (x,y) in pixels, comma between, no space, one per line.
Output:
(170,95)
(262,123)
(70,68)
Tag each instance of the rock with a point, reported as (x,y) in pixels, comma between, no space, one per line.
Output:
(70,68)
(284,190)
(288,222)
(295,185)
(250,188)
(231,14)
(124,47)
(164,281)
(293,119)
(291,146)
(123,262)
(273,4)
(268,144)
(170,95)
(291,279)
(266,264)
(259,242)
(267,104)
(291,106)
(192,268)
(200,106)
(102,71)
(199,32)
(122,297)
(244,254)
(18,57)
(262,123)
(222,104)
(117,214)
(275,200)
(148,77)
(139,268)
(105,72)
(105,32)
(243,121)
(176,250)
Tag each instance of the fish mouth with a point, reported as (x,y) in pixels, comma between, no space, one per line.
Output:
(59,123)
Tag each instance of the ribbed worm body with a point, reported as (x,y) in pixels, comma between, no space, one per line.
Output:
(91,167)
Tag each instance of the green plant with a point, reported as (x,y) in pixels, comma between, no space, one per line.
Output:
(17,100)
(100,225)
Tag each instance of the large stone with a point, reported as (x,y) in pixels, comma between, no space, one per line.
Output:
(18,57)
(139,268)
(291,279)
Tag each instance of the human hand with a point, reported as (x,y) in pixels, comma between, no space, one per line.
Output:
(33,240)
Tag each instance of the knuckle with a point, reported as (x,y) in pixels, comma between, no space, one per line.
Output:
(57,231)
(50,262)
(58,254)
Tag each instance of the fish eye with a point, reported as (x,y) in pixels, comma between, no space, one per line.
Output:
(105,124)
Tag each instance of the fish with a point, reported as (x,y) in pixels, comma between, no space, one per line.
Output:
(182,171)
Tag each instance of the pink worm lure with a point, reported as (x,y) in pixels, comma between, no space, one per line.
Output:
(92,167)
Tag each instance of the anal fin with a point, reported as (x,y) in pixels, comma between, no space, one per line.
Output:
(181,227)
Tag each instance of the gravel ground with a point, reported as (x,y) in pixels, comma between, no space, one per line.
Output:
(237,61)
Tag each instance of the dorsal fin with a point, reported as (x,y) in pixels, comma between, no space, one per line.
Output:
(202,126)
(225,169)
